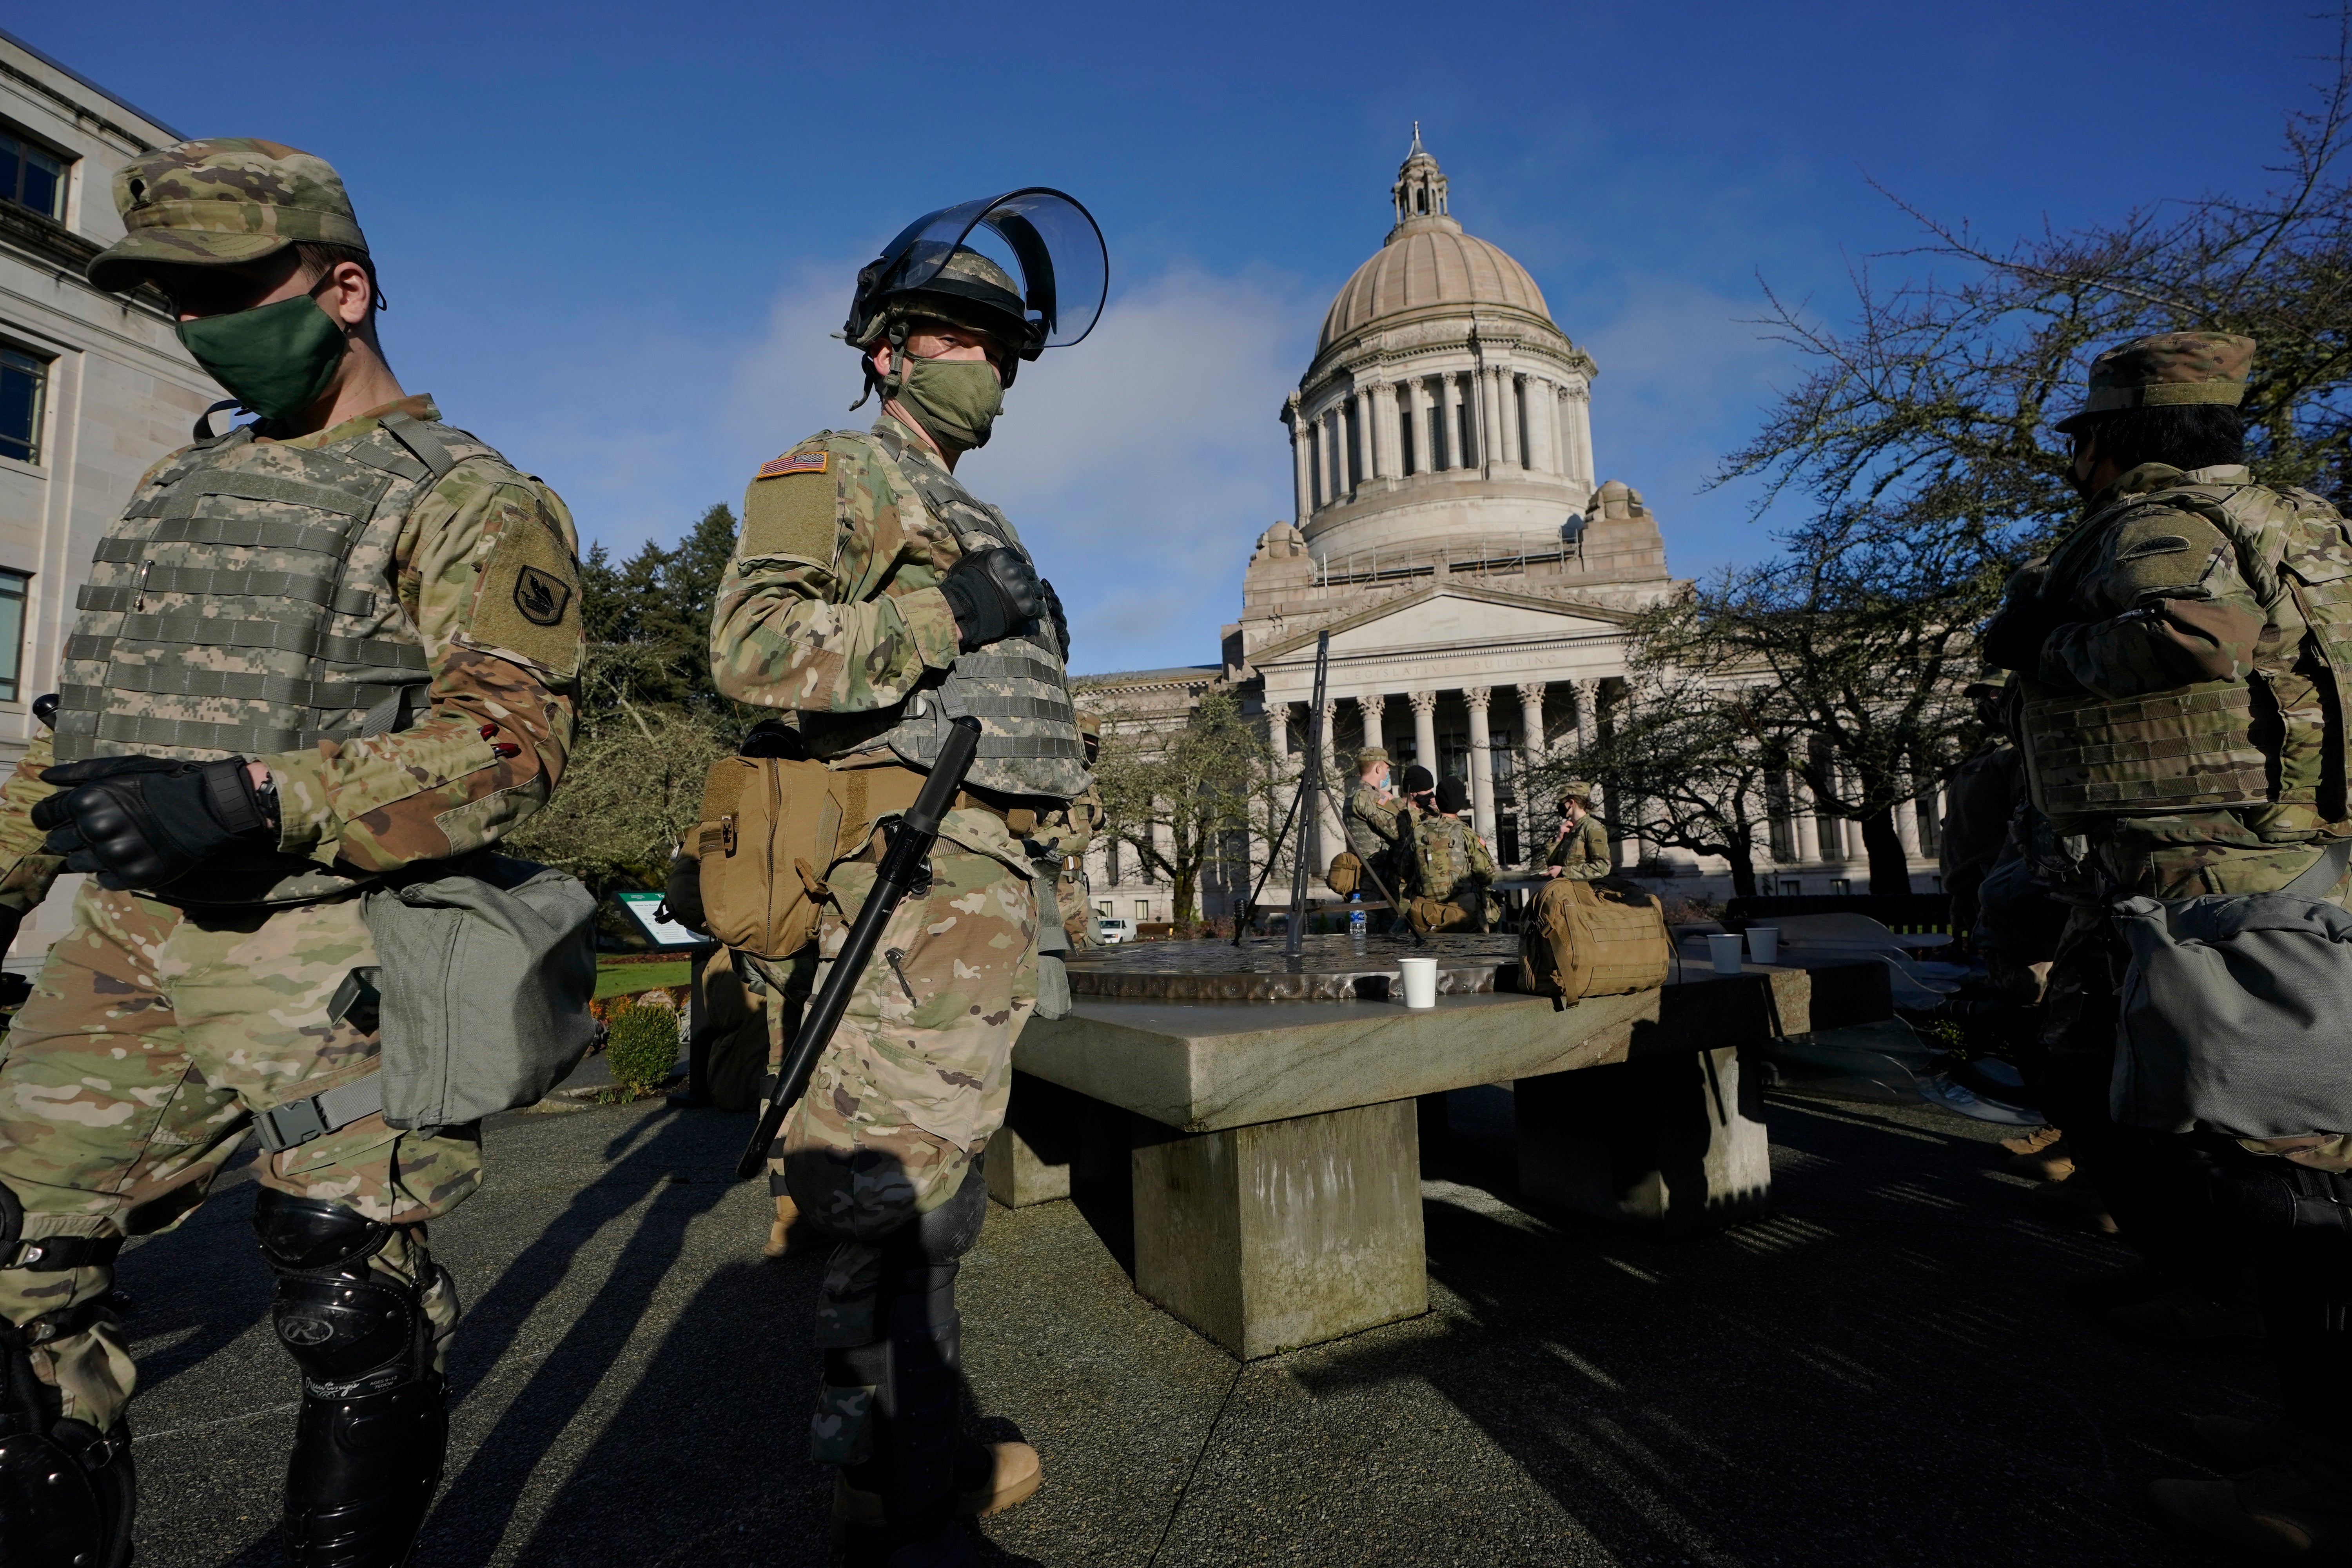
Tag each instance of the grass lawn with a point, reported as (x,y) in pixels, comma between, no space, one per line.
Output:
(615,979)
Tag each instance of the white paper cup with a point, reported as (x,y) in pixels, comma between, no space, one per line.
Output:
(1724,948)
(1420,981)
(1764,944)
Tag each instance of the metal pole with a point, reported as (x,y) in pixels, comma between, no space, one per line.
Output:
(1310,793)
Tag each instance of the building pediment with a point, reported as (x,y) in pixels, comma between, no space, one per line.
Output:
(1449,616)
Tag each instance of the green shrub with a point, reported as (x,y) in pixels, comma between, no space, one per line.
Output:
(642,1046)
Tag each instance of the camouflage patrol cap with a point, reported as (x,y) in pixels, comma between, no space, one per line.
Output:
(221,202)
(1578,790)
(1369,755)
(2167,369)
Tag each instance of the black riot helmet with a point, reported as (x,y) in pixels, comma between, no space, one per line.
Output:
(931,271)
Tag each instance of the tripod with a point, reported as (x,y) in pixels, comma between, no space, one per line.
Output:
(1311,789)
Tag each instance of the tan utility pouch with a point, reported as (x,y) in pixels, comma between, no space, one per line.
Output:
(1346,873)
(772,828)
(1586,940)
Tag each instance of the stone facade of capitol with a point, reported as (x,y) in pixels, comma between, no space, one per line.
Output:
(1475,573)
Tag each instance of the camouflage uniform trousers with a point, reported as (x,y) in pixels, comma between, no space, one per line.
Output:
(152,1036)
(903,1102)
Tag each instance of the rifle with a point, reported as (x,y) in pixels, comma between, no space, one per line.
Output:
(901,870)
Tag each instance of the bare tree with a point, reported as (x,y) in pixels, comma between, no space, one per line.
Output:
(1198,785)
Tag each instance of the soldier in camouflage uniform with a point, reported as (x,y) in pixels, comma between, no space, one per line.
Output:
(1452,868)
(872,595)
(2193,605)
(1581,852)
(1070,832)
(334,646)
(1375,818)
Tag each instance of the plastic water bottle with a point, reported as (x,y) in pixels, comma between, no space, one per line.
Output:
(1359,928)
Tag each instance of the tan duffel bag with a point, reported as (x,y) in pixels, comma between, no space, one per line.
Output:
(1346,873)
(1582,940)
(772,828)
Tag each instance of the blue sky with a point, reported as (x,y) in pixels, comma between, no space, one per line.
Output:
(614,238)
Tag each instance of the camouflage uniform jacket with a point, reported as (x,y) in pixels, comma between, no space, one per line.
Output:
(847,618)
(1374,826)
(1582,851)
(1452,865)
(2150,597)
(499,725)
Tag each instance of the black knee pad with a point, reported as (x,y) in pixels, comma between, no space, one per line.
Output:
(350,1327)
(947,1232)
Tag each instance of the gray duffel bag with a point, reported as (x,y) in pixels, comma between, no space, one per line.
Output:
(2236,1011)
(485,983)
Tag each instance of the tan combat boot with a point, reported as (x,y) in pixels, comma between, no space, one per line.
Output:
(988,1480)
(780,1235)
(2041,1154)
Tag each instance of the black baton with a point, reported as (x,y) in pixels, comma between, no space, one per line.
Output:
(902,867)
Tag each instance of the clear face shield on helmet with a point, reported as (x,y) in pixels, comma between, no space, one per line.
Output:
(1053,250)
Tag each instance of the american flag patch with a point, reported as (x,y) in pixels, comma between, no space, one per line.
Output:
(794,463)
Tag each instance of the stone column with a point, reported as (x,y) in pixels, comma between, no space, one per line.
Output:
(1334,473)
(1588,712)
(1580,412)
(1531,721)
(1805,821)
(1540,457)
(1482,763)
(1563,458)
(1424,730)
(1506,417)
(1277,730)
(1449,403)
(1423,404)
(1535,818)
(1374,710)
(1302,476)
(1380,430)
(1906,825)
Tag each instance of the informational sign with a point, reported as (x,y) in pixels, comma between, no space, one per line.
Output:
(645,909)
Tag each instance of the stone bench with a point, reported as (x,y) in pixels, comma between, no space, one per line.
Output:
(1258,1164)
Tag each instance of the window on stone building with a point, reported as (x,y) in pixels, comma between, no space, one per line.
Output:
(1438,434)
(1791,887)
(12,631)
(1351,435)
(24,387)
(1466,439)
(1519,403)
(1142,908)
(1316,495)
(32,176)
(1405,438)
(1840,886)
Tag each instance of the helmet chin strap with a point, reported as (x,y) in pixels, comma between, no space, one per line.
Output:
(889,386)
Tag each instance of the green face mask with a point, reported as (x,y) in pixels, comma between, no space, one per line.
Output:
(957,400)
(274,359)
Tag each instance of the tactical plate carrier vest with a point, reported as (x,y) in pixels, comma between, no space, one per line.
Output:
(2274,744)
(244,604)
(1017,687)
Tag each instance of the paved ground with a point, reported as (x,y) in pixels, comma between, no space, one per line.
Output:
(1877,1374)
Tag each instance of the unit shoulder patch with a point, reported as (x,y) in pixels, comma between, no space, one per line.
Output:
(794,463)
(795,520)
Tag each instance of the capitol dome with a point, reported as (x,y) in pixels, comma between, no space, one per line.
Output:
(1430,265)
(1443,410)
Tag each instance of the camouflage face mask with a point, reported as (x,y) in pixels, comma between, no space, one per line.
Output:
(957,400)
(277,360)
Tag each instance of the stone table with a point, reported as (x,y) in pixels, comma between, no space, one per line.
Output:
(1256,1162)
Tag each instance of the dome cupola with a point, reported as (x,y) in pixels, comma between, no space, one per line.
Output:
(1443,403)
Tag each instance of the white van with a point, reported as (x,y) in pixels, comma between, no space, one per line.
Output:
(1109,928)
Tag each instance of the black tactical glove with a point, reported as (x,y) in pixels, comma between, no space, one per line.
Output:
(2012,639)
(1061,623)
(140,822)
(993,592)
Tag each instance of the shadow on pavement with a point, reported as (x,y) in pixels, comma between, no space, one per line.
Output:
(1879,1371)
